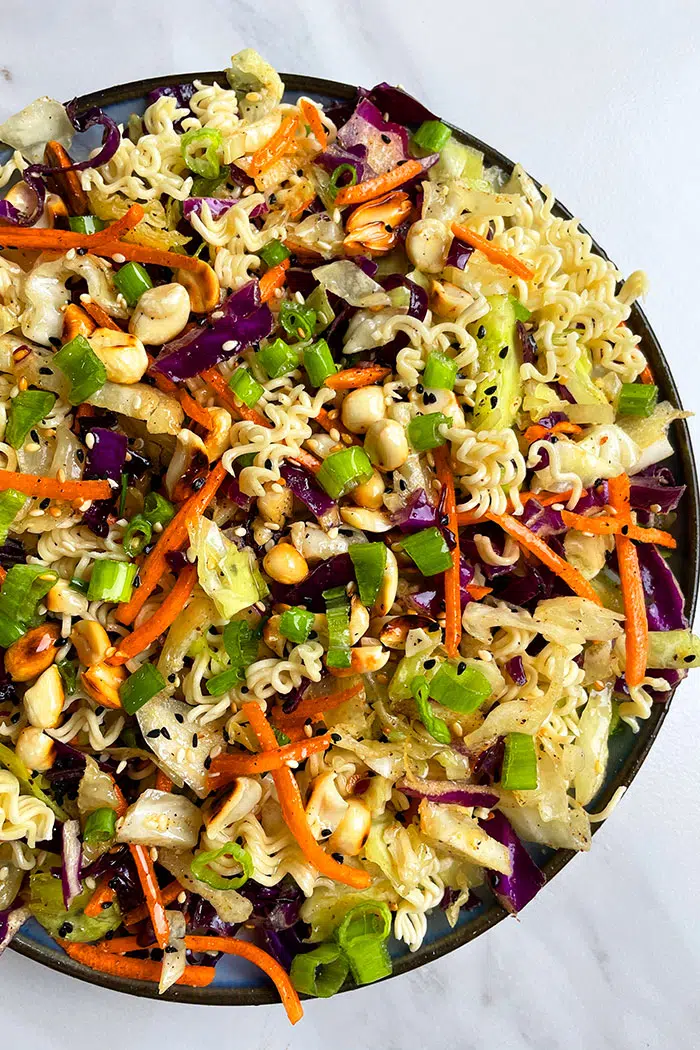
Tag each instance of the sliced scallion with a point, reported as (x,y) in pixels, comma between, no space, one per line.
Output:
(273,253)
(200,151)
(338,618)
(369,561)
(100,825)
(424,431)
(637,399)
(140,687)
(11,503)
(432,136)
(440,371)
(132,281)
(437,727)
(25,410)
(519,770)
(246,389)
(111,581)
(297,319)
(429,550)
(321,972)
(277,359)
(345,470)
(319,363)
(202,870)
(86,224)
(461,689)
(137,536)
(85,372)
(296,624)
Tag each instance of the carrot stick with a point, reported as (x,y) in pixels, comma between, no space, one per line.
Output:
(168,894)
(270,966)
(151,891)
(162,618)
(477,593)
(636,626)
(647,376)
(313,118)
(163,783)
(354,378)
(314,707)
(536,432)
(225,767)
(194,410)
(35,485)
(100,316)
(328,423)
(376,187)
(272,280)
(293,810)
(492,252)
(103,894)
(154,256)
(94,957)
(535,545)
(122,945)
(52,240)
(453,604)
(215,379)
(171,539)
(276,147)
(605,526)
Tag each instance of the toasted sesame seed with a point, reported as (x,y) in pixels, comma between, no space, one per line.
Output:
(153,853)
(308,731)
(119,258)
(90,440)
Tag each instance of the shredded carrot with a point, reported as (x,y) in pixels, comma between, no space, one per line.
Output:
(225,767)
(163,783)
(103,894)
(47,240)
(94,957)
(606,526)
(545,499)
(194,410)
(272,280)
(302,207)
(100,316)
(647,376)
(302,250)
(293,810)
(168,894)
(314,706)
(171,539)
(3,574)
(151,891)
(280,143)
(159,622)
(324,419)
(313,118)
(477,593)
(636,626)
(35,485)
(379,185)
(492,252)
(544,553)
(270,966)
(215,379)
(152,256)
(453,605)
(537,432)
(354,378)
(122,945)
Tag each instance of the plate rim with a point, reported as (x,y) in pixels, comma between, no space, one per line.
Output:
(57,960)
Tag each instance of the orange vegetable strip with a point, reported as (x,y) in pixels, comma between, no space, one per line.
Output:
(647,376)
(272,280)
(151,891)
(171,539)
(605,526)
(35,485)
(100,316)
(453,605)
(376,187)
(293,810)
(214,378)
(477,592)
(302,207)
(154,256)
(103,894)
(76,321)
(94,957)
(194,410)
(535,433)
(535,545)
(328,424)
(67,182)
(565,427)
(313,118)
(122,945)
(314,706)
(162,618)
(163,783)
(636,626)
(493,253)
(168,894)
(275,147)
(270,966)
(225,766)
(63,240)
(305,459)
(354,378)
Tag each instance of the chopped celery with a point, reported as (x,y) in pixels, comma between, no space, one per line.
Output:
(673,650)
(497,399)
(71,924)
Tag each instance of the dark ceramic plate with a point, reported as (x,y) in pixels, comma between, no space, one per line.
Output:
(238,983)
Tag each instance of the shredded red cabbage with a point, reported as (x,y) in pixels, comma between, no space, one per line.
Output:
(655,487)
(452,792)
(305,489)
(516,890)
(334,572)
(527,344)
(355,154)
(459,254)
(516,670)
(545,521)
(105,460)
(399,105)
(417,513)
(663,595)
(486,768)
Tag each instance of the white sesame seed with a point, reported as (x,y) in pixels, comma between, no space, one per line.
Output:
(292,764)
(90,440)
(158,527)
(121,767)
(119,258)
(4,872)
(61,475)
(485,655)
(278,293)
(336,215)
(215,751)
(248,191)
(70,254)
(33,446)
(253,96)
(655,508)
(230,345)
(299,297)
(180,755)
(90,882)
(85,298)
(153,853)
(240,531)
(181,897)
(191,555)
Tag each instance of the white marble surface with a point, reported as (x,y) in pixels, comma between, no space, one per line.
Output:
(601,99)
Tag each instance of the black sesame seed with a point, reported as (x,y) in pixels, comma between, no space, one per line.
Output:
(689,659)
(335,737)
(494,401)
(15,718)
(402,485)
(114,883)
(179,718)
(54,340)
(420,388)
(197,484)
(80,455)
(312,636)
(153,734)
(429,399)
(429,663)
(325,833)
(164,732)
(482,332)
(45,372)
(503,352)
(491,389)
(105,905)
(461,667)
(44,504)
(99,710)
(109,934)
(65,928)
(386,138)
(195,740)
(171,678)
(338,857)
(81,251)
(307,722)
(244,689)
(207,762)
(169,949)
(268,464)
(625,529)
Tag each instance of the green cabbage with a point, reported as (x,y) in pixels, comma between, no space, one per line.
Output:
(46,903)
(228,575)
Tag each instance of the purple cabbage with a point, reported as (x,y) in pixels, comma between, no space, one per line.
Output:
(182,93)
(293,699)
(105,460)
(386,142)
(307,491)
(671,676)
(368,266)
(537,583)
(563,392)
(527,344)
(459,254)
(663,595)
(416,514)
(516,890)
(450,896)
(334,572)
(399,105)
(231,489)
(301,280)
(19,217)
(545,521)
(655,486)
(430,599)
(123,877)
(417,307)
(276,915)
(239,322)
(552,419)
(355,154)
(486,768)
(516,670)
(218,206)
(12,552)
(451,792)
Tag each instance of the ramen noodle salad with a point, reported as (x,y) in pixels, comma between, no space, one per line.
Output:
(335,521)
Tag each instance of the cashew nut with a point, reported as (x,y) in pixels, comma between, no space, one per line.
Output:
(428,245)
(32,653)
(367,520)
(91,641)
(123,355)
(43,701)
(202,286)
(386,444)
(161,314)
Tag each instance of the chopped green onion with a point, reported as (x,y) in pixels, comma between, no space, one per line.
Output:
(132,281)
(369,960)
(334,187)
(424,431)
(296,624)
(246,389)
(86,373)
(432,136)
(321,972)
(319,363)
(273,253)
(111,581)
(460,690)
(86,224)
(277,359)
(637,399)
(519,772)
(241,643)
(429,550)
(79,585)
(362,935)
(297,319)
(11,503)
(520,311)
(220,683)
(68,670)
(281,737)
(206,163)
(369,561)
(345,470)
(140,687)
(338,618)
(440,371)
(137,536)
(319,303)
(157,509)
(22,589)
(100,826)
(200,867)
(437,727)
(123,494)
(27,409)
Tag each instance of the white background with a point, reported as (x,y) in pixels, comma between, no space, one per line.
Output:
(599,98)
